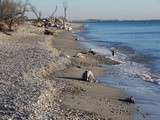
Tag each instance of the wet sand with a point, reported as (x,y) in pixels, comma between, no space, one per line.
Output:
(90,97)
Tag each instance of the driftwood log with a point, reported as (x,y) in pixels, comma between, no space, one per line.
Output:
(128,100)
(49,32)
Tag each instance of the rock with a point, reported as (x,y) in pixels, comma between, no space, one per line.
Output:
(39,24)
(80,55)
(68,56)
(84,76)
(92,52)
(88,76)
(68,28)
(76,38)
(128,100)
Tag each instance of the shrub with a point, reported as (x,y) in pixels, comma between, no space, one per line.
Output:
(10,13)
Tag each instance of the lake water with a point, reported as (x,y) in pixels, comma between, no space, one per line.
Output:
(137,46)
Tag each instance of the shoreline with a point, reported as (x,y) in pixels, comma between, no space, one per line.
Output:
(78,101)
(42,79)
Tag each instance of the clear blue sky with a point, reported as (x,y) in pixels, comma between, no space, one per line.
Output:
(103,9)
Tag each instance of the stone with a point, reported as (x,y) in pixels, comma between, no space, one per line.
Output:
(70,28)
(88,76)
(92,52)
(39,24)
(76,38)
(84,76)
(80,55)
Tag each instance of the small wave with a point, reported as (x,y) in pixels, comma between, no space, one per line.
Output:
(130,67)
(102,51)
(140,71)
(133,68)
(122,58)
(156,78)
(123,33)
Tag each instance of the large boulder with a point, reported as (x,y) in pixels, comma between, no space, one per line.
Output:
(88,76)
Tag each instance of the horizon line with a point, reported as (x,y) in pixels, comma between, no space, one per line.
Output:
(115,19)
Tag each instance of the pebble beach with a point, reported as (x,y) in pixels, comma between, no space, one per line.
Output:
(40,79)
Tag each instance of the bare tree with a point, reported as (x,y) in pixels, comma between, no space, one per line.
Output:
(10,10)
(28,7)
(37,13)
(0,8)
(65,7)
(24,7)
(54,12)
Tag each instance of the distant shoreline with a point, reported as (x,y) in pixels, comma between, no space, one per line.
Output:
(99,20)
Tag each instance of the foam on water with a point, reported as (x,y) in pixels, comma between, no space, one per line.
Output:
(130,67)
(126,66)
(102,51)
(136,69)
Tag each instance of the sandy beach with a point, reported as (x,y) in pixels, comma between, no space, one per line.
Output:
(41,79)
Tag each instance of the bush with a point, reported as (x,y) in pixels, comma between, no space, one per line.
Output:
(10,12)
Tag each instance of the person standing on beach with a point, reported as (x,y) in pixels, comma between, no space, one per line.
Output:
(113,51)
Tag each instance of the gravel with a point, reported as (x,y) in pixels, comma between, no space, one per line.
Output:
(20,88)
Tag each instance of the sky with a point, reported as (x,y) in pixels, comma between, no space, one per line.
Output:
(102,9)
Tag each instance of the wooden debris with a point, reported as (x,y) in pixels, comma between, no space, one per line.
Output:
(3,26)
(128,100)
(49,32)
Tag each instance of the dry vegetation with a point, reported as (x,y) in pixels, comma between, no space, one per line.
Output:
(11,14)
